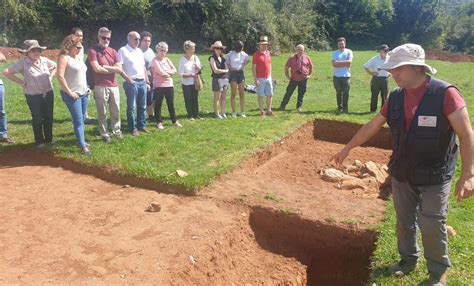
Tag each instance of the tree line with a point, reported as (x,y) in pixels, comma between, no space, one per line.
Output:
(439,24)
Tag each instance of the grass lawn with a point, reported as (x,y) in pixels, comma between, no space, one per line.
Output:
(208,148)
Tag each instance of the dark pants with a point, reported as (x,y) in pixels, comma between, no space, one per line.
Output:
(289,92)
(160,94)
(41,107)
(378,84)
(342,86)
(191,100)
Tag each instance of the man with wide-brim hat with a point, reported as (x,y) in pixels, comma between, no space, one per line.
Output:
(424,115)
(262,74)
(379,81)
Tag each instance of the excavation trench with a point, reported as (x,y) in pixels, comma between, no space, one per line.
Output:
(296,214)
(267,221)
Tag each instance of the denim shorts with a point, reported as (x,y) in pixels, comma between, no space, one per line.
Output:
(237,76)
(265,88)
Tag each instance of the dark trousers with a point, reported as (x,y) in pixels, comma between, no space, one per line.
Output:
(191,100)
(378,84)
(342,86)
(289,92)
(161,93)
(41,108)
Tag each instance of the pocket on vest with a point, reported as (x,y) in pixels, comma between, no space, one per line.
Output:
(427,142)
(424,175)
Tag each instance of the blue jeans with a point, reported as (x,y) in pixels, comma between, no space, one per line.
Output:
(136,98)
(3,115)
(77,108)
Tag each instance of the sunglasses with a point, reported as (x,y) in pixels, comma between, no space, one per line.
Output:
(105,38)
(78,47)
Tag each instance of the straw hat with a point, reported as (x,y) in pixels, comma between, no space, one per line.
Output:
(408,54)
(263,40)
(217,45)
(28,45)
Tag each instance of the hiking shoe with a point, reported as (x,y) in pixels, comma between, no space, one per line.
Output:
(7,140)
(401,268)
(160,126)
(234,114)
(243,115)
(437,279)
(135,132)
(85,151)
(107,139)
(177,124)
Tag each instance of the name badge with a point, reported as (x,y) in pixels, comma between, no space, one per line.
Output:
(427,121)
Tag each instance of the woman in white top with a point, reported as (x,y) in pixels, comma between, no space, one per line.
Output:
(236,61)
(72,78)
(189,66)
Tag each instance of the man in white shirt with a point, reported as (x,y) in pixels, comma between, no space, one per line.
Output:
(379,82)
(136,83)
(149,55)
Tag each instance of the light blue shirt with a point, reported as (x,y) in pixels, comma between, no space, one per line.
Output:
(342,56)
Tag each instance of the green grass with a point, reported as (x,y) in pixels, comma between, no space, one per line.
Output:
(208,148)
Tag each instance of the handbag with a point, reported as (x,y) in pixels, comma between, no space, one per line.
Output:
(198,82)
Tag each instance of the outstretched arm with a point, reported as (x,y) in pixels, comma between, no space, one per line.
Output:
(362,136)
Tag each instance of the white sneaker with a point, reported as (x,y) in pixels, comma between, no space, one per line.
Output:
(160,126)
(224,116)
(243,115)
(218,116)
(234,114)
(299,109)
(177,124)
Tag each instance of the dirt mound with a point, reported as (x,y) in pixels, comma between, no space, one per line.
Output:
(14,54)
(449,57)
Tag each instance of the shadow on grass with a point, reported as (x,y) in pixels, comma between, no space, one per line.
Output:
(379,272)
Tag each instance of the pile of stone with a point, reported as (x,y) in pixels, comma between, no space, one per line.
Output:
(368,176)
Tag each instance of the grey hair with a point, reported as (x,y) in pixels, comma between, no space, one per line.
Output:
(131,34)
(300,46)
(162,46)
(188,44)
(104,30)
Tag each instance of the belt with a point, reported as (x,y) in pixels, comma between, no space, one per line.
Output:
(138,79)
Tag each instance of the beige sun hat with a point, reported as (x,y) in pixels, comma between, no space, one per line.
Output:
(28,45)
(407,54)
(218,45)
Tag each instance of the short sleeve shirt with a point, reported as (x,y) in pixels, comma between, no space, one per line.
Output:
(148,55)
(375,63)
(133,62)
(342,56)
(37,76)
(453,101)
(107,56)
(300,67)
(188,67)
(236,61)
(263,62)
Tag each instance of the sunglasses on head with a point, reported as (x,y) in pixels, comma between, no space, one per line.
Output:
(105,38)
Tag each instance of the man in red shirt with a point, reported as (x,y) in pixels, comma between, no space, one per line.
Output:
(301,69)
(105,63)
(424,114)
(262,75)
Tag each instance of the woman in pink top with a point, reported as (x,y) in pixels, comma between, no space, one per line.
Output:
(163,71)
